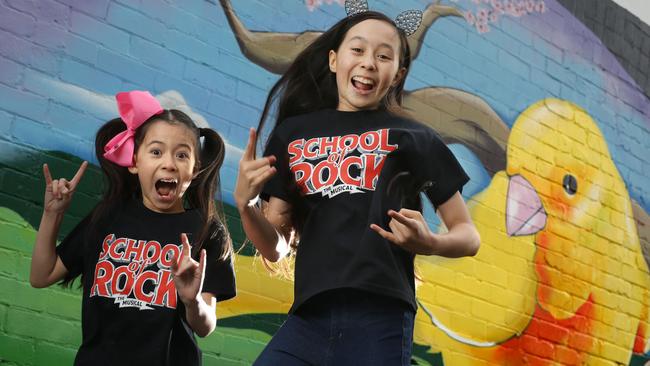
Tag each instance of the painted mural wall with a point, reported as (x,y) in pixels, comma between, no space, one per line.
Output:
(552,128)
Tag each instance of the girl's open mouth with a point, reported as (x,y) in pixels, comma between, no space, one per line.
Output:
(166,188)
(363,84)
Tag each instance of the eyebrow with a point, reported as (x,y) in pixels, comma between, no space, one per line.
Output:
(162,143)
(366,41)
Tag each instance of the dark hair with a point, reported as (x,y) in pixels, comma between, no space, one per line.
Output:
(203,194)
(308,85)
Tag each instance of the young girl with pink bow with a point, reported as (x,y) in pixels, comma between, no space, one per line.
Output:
(146,289)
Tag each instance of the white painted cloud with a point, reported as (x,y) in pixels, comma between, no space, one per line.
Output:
(103,107)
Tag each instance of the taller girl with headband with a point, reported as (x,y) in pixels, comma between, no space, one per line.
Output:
(146,290)
(342,172)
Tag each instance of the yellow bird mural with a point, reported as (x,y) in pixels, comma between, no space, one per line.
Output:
(472,303)
(560,277)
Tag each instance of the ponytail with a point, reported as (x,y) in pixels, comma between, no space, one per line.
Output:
(119,184)
(204,194)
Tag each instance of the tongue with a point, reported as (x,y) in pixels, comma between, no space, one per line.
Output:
(164,189)
(361,85)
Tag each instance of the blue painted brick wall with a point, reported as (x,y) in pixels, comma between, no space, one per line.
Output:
(61,61)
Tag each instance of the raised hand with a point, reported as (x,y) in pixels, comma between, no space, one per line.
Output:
(188,274)
(58,192)
(253,173)
(409,231)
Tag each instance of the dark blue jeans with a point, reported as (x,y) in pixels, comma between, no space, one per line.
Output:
(344,327)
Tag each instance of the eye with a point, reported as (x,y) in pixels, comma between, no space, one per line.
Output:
(384,57)
(155,152)
(570,184)
(356,50)
(183,155)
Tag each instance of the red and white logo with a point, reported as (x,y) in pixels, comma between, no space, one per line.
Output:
(136,273)
(342,170)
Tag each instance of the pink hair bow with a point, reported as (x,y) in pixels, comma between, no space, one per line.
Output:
(135,108)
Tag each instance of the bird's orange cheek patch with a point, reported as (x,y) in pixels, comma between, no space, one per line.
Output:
(561,209)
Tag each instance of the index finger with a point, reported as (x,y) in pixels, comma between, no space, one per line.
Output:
(249,152)
(47,175)
(79,174)
(402,219)
(383,233)
(186,245)
(411,214)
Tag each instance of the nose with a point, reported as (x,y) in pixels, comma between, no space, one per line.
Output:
(168,162)
(368,61)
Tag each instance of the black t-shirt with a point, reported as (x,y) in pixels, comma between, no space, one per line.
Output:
(131,314)
(346,170)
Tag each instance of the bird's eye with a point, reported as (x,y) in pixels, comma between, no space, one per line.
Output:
(570,184)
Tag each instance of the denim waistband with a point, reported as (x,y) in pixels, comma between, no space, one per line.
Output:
(351,298)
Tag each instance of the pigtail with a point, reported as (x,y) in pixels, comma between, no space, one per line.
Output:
(204,194)
(119,184)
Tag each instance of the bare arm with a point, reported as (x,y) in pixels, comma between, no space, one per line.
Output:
(462,238)
(409,230)
(269,228)
(46,267)
(188,278)
(201,314)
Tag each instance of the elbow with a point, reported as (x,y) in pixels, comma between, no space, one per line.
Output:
(474,244)
(36,283)
(272,256)
(275,257)
(202,333)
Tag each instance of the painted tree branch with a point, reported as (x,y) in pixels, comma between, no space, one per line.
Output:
(432,13)
(275,51)
(461,117)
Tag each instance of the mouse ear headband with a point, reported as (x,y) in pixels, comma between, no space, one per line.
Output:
(409,21)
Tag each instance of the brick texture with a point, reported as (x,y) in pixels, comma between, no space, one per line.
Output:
(572,293)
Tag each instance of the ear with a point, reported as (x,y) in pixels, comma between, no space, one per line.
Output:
(196,171)
(332,58)
(399,76)
(133,169)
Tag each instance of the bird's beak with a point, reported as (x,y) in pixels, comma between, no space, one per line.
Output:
(525,214)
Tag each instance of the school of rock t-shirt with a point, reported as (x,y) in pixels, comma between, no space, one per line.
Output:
(131,314)
(347,169)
